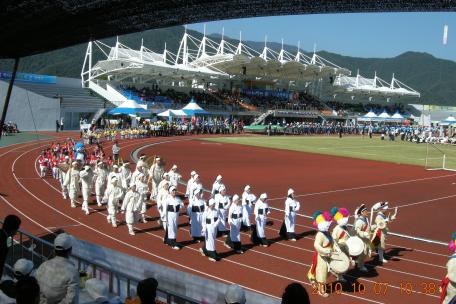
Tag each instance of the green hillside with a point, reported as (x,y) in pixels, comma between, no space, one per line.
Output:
(433,77)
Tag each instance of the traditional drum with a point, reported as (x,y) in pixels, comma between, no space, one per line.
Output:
(355,246)
(339,262)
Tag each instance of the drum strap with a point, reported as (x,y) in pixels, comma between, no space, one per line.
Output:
(444,285)
(382,215)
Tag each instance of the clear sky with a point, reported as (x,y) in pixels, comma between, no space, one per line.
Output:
(359,35)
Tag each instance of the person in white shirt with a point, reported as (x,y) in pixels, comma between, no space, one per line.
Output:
(138,171)
(222,203)
(155,175)
(172,206)
(195,210)
(196,184)
(86,176)
(130,207)
(114,172)
(211,218)
(115,151)
(101,178)
(261,215)
(72,183)
(233,239)
(292,206)
(248,200)
(142,188)
(162,195)
(216,186)
(125,175)
(174,176)
(189,184)
(113,194)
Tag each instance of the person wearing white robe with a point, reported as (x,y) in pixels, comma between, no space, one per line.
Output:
(138,171)
(172,206)
(195,185)
(162,195)
(114,194)
(189,184)
(291,207)
(130,207)
(142,188)
(195,210)
(211,218)
(86,176)
(248,199)
(155,175)
(222,203)
(216,186)
(101,178)
(261,212)
(114,172)
(142,163)
(125,175)
(66,164)
(174,176)
(233,239)
(72,183)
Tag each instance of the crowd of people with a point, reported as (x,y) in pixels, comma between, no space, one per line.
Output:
(9,128)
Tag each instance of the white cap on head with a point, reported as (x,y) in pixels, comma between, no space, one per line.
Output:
(377,206)
(97,290)
(75,163)
(192,173)
(142,157)
(263,196)
(87,167)
(246,188)
(174,167)
(211,202)
(23,267)
(234,294)
(115,166)
(166,174)
(235,197)
(195,176)
(67,157)
(221,188)
(197,190)
(219,177)
(63,242)
(290,191)
(172,188)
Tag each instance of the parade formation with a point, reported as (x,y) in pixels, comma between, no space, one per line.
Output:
(345,247)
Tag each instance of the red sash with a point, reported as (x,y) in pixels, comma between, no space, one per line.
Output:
(313,267)
(444,285)
(342,234)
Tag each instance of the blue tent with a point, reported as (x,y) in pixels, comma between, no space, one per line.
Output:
(130,107)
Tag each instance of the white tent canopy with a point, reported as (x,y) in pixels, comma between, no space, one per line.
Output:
(169,112)
(397,116)
(384,115)
(370,115)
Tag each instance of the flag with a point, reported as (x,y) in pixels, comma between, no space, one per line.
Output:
(445,34)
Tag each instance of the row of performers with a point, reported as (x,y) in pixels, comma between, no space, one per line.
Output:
(335,252)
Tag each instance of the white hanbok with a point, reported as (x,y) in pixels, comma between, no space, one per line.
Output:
(142,189)
(235,221)
(248,199)
(195,210)
(172,207)
(101,178)
(222,203)
(131,208)
(86,182)
(72,182)
(125,177)
(114,194)
(261,211)
(189,186)
(291,207)
(211,218)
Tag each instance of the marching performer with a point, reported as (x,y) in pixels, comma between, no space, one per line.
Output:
(292,206)
(101,178)
(143,164)
(189,184)
(142,188)
(125,174)
(114,194)
(222,203)
(340,232)
(64,167)
(380,229)
(172,206)
(363,231)
(323,244)
(174,176)
(233,239)
(248,199)
(211,218)
(155,175)
(162,195)
(195,185)
(448,285)
(72,183)
(195,210)
(43,161)
(86,176)
(130,208)
(138,171)
(261,214)
(114,172)
(216,185)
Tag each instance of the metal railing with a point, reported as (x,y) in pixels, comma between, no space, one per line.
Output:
(38,250)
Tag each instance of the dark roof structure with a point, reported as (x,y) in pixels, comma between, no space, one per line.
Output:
(35,26)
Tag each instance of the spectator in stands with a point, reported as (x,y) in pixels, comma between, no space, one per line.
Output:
(57,126)
(28,291)
(295,293)
(10,227)
(146,292)
(22,269)
(235,295)
(58,277)
(115,151)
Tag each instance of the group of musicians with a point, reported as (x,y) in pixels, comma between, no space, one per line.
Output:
(335,252)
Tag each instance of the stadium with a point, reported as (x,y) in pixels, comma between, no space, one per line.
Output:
(229,158)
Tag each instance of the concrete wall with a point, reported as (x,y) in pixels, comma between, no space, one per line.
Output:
(201,289)
(42,111)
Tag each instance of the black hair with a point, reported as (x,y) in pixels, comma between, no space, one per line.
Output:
(27,291)
(147,290)
(11,223)
(295,293)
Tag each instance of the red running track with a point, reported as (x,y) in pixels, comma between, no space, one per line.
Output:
(321,180)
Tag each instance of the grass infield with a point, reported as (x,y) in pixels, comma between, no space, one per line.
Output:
(398,152)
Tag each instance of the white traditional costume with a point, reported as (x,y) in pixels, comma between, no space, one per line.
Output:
(131,208)
(114,194)
(211,218)
(172,206)
(156,174)
(363,231)
(142,188)
(291,207)
(222,203)
(195,210)
(248,199)
(101,179)
(66,165)
(216,186)
(448,284)
(72,183)
(380,229)
(86,176)
(125,175)
(261,212)
(233,239)
(174,176)
(189,184)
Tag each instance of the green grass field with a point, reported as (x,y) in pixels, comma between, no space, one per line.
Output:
(20,138)
(398,152)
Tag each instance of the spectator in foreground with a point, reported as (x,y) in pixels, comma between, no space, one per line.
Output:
(10,227)
(295,293)
(146,292)
(22,269)
(58,277)
(28,291)
(235,295)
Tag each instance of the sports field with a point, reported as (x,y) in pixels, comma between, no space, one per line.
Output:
(398,152)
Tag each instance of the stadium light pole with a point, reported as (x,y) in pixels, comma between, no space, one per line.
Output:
(8,95)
